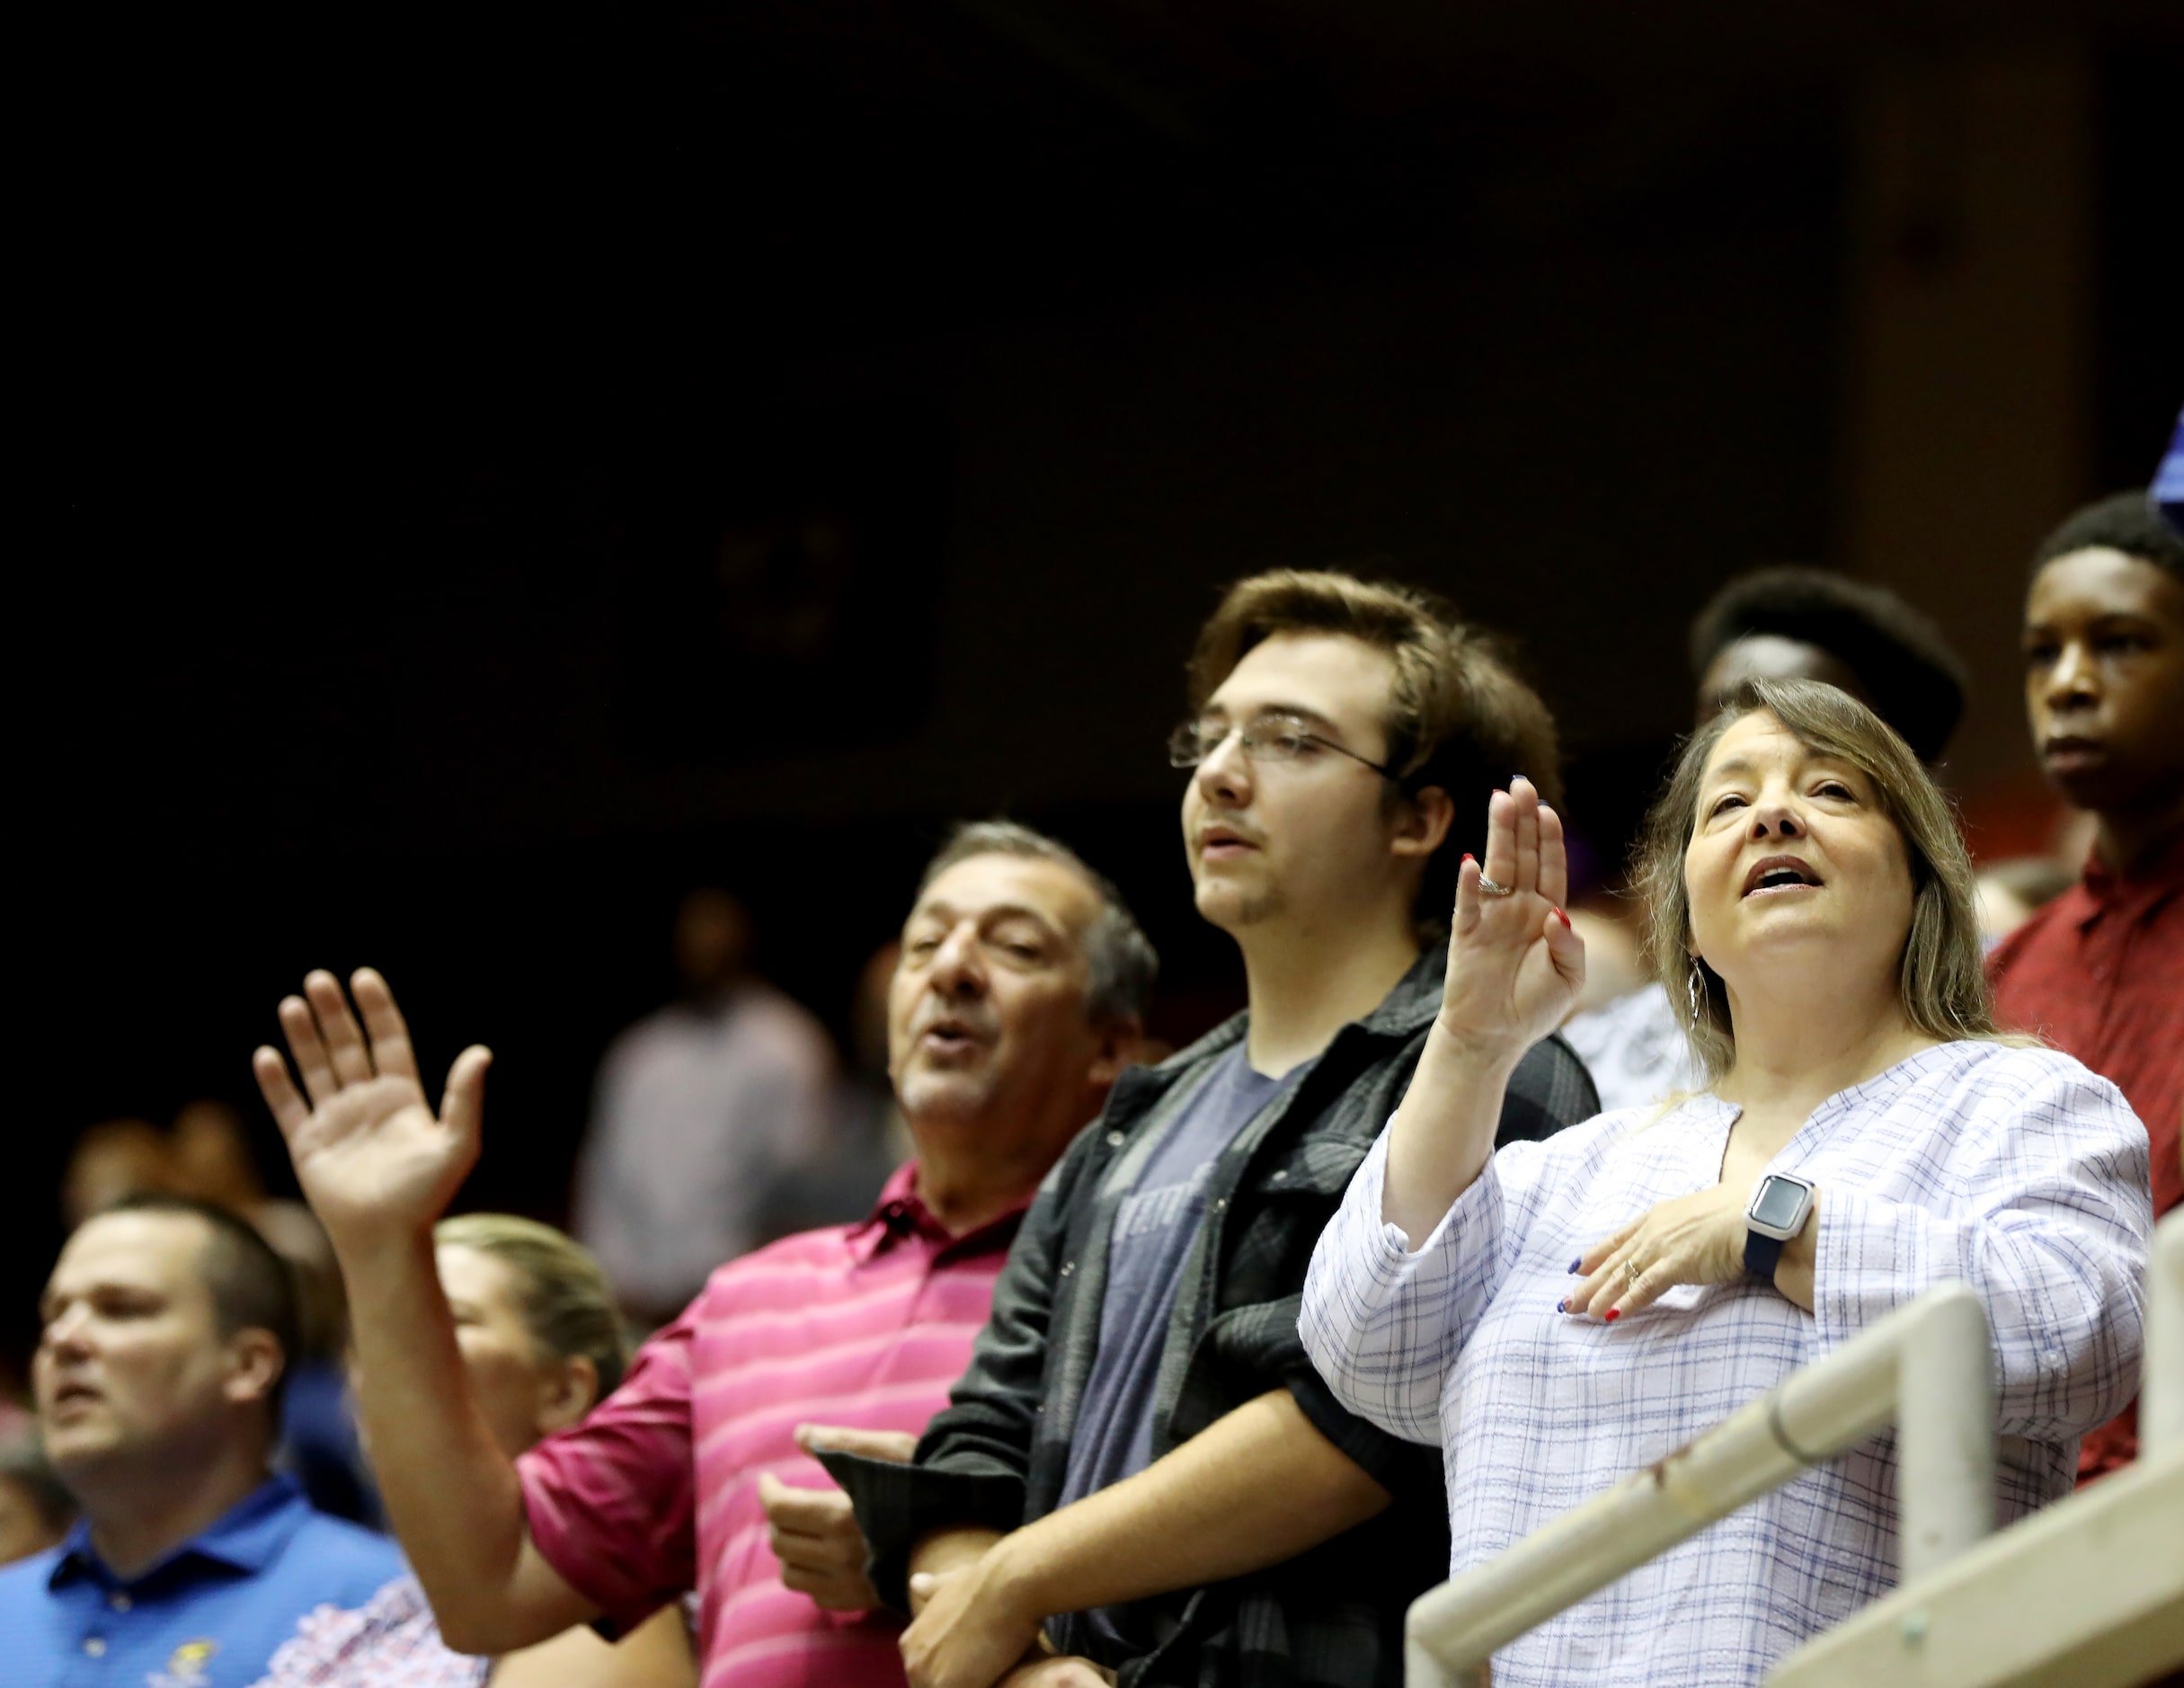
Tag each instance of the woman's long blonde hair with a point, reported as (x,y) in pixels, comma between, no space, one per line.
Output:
(1941,982)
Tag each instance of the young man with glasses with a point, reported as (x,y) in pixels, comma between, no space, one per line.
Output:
(1140,1474)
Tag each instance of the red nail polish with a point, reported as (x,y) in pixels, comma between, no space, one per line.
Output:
(1467,856)
(1564,918)
(1613,1314)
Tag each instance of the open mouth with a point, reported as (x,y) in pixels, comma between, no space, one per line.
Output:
(70,1395)
(949,1037)
(1778,873)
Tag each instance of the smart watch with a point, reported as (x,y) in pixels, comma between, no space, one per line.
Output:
(1781,1205)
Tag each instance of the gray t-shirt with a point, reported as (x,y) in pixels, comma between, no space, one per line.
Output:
(1155,1226)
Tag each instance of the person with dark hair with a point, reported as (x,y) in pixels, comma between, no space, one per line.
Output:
(167,1323)
(1558,1316)
(1018,997)
(2098,972)
(1794,623)
(1777,623)
(700,1107)
(1140,1460)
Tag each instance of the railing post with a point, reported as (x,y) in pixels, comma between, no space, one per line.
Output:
(2160,1402)
(1945,1433)
(1927,1367)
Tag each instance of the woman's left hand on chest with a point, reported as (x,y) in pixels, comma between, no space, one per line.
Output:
(1696,1239)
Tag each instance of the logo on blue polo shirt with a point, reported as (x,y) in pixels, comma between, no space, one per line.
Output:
(185,1666)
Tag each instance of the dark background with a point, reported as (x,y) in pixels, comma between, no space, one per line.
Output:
(491,474)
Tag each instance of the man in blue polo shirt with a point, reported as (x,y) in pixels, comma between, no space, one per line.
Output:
(166,1326)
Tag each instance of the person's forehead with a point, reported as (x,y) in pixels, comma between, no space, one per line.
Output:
(154,1251)
(474,1275)
(982,884)
(1758,740)
(2101,580)
(1328,674)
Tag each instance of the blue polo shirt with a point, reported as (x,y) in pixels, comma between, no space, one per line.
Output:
(207,1616)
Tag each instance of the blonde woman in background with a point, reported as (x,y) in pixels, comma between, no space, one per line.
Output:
(1560,1313)
(543,1344)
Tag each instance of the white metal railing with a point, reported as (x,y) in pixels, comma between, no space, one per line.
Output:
(1927,1366)
(2161,1396)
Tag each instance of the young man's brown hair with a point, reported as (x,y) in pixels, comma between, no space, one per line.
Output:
(1458,717)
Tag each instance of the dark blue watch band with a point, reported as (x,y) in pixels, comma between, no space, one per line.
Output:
(1763,1254)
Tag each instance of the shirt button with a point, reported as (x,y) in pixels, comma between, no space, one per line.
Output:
(1220,1203)
(1068,1266)
(94,1646)
(1280,1173)
(1114,1139)
(119,1602)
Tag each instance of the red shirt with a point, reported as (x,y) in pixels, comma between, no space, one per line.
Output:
(2099,973)
(657,1491)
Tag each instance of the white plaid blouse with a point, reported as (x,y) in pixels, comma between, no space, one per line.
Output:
(2016,1170)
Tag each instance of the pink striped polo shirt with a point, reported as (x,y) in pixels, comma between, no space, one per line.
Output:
(657,1491)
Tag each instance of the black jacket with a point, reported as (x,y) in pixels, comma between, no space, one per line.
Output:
(996,1456)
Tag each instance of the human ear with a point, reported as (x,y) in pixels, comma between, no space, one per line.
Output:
(568,1390)
(255,1363)
(1422,822)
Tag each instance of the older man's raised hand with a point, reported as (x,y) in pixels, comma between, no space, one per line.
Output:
(377,1164)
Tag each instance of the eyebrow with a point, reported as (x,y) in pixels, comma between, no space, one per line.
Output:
(103,1286)
(999,910)
(1310,717)
(1744,766)
(2137,617)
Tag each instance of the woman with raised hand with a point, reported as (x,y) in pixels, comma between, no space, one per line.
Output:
(1559,1314)
(536,1323)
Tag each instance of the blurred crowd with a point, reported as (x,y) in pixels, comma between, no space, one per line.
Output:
(1007,1347)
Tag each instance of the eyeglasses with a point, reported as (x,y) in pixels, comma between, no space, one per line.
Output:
(1268,738)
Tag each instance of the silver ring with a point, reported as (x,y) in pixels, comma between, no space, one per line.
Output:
(1632,1272)
(1487,888)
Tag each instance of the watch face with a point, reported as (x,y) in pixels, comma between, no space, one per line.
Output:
(1779,1202)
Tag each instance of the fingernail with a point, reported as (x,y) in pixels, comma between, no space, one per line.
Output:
(1577,1263)
(1467,856)
(1614,1313)
(1564,918)
(1563,1306)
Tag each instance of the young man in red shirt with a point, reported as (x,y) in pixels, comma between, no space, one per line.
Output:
(2099,972)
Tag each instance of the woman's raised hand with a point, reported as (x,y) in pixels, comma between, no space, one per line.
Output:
(1515,964)
(376,1163)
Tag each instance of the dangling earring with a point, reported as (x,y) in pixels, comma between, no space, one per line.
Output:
(1694,987)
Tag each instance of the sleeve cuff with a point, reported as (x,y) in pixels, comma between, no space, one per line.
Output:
(899,1505)
(1393,1242)
(1389,1461)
